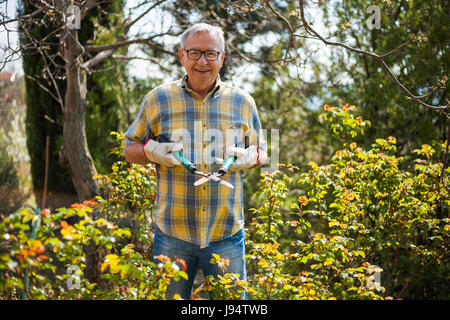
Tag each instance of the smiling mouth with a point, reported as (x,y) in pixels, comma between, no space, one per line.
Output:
(203,71)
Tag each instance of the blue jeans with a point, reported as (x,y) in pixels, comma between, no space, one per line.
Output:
(232,248)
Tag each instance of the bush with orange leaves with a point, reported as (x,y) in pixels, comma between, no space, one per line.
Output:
(227,286)
(323,232)
(128,195)
(60,247)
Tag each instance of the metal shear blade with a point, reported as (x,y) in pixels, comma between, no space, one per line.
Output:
(214,177)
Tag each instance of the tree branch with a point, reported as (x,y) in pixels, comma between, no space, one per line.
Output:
(151,59)
(380,58)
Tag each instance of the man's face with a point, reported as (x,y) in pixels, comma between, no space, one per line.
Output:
(201,73)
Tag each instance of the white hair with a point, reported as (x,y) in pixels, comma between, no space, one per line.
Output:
(201,27)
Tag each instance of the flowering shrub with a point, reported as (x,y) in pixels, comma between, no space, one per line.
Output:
(312,265)
(225,287)
(319,234)
(137,277)
(128,198)
(398,218)
(358,215)
(55,260)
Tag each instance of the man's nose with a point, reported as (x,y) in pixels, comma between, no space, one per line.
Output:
(203,59)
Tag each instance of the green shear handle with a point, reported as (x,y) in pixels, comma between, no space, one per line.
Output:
(230,160)
(179,156)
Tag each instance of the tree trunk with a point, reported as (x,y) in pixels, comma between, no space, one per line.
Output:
(75,149)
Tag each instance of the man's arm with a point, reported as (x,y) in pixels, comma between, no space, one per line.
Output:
(134,153)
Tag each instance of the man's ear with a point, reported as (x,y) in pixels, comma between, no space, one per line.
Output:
(181,55)
(223,56)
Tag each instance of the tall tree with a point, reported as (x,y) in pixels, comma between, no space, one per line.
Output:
(44,116)
(68,63)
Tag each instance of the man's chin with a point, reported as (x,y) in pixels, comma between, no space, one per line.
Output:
(202,81)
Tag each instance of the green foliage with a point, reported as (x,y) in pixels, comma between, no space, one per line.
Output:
(8,174)
(312,266)
(342,123)
(57,246)
(106,107)
(398,218)
(43,114)
(137,277)
(56,259)
(128,196)
(368,86)
(107,89)
(12,194)
(319,233)
(390,214)
(70,241)
(226,286)
(358,215)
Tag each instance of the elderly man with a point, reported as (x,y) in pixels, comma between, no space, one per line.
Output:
(193,222)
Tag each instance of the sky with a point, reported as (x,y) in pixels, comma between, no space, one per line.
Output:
(9,8)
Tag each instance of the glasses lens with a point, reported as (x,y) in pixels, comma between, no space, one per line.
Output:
(211,55)
(194,54)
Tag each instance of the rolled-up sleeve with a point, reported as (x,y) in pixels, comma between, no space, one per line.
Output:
(139,131)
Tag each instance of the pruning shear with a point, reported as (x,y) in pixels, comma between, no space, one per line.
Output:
(223,170)
(193,169)
(216,175)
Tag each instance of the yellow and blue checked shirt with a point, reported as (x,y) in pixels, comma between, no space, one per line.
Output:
(209,212)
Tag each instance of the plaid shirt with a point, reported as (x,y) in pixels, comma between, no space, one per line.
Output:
(209,212)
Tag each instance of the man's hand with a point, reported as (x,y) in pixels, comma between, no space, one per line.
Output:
(161,153)
(245,158)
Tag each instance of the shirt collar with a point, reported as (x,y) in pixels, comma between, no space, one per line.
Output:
(215,91)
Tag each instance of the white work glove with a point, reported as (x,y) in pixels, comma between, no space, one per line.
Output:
(161,153)
(246,158)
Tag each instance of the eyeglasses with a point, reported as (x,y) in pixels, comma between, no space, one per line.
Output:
(210,55)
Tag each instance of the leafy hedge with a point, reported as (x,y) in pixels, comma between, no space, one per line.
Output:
(324,233)
(355,216)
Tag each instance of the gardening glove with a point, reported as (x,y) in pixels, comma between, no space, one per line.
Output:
(245,158)
(161,153)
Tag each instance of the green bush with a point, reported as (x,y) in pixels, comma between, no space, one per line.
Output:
(398,218)
(319,234)
(55,259)
(312,265)
(12,193)
(357,215)
(128,197)
(100,249)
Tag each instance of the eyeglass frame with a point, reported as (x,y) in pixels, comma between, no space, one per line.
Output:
(202,53)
